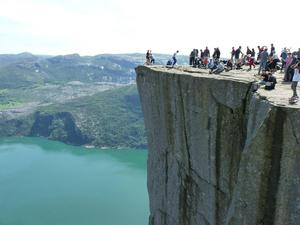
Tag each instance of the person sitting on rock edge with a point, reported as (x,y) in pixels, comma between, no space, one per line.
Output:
(270,80)
(217,68)
(229,65)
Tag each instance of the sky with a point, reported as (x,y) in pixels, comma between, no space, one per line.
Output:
(90,27)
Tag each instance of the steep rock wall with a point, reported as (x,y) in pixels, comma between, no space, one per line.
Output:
(218,154)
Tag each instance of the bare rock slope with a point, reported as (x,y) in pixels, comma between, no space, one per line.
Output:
(219,154)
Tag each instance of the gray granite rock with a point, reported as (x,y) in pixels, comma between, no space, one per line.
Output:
(219,154)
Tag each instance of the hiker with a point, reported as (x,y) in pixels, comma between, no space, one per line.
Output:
(296,79)
(206,52)
(238,65)
(201,54)
(232,54)
(291,67)
(271,64)
(287,68)
(217,53)
(283,57)
(174,58)
(197,62)
(148,59)
(219,68)
(212,64)
(253,53)
(272,52)
(251,61)
(276,60)
(248,52)
(263,60)
(152,60)
(237,55)
(260,50)
(206,55)
(270,81)
(192,58)
(298,54)
(196,53)
(229,65)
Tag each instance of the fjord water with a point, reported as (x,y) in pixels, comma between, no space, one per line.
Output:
(49,183)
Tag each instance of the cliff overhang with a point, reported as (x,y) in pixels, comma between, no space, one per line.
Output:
(218,152)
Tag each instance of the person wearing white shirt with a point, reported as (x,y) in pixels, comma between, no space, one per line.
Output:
(296,79)
(174,57)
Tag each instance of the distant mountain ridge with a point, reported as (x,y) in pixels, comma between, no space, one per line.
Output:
(26,69)
(81,100)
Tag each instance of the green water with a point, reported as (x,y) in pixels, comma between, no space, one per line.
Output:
(49,183)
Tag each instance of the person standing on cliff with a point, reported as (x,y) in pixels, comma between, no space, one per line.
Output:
(264,56)
(206,55)
(283,56)
(232,54)
(174,58)
(148,58)
(288,62)
(260,50)
(298,54)
(218,53)
(152,60)
(237,55)
(296,79)
(248,51)
(272,52)
(192,58)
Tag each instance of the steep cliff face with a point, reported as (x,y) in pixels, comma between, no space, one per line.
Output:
(218,154)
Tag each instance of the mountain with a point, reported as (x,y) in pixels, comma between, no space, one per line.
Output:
(110,118)
(80,100)
(26,69)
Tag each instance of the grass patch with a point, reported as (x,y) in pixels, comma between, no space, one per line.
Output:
(10,105)
(3,92)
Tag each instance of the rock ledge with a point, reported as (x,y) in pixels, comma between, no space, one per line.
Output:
(219,153)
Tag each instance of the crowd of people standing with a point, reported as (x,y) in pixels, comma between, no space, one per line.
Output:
(268,62)
(238,59)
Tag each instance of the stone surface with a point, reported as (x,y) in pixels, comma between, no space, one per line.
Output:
(219,154)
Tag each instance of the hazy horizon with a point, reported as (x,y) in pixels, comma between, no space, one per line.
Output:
(120,53)
(60,27)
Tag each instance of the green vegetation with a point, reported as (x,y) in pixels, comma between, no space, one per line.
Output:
(3,92)
(74,99)
(111,118)
(25,70)
(10,105)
